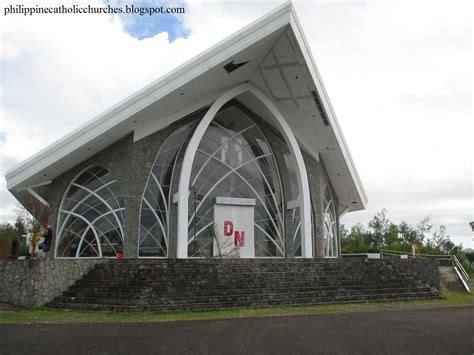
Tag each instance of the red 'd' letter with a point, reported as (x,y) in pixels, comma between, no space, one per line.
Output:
(228,228)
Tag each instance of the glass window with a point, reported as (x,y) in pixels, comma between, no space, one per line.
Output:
(91,216)
(331,243)
(156,202)
(235,160)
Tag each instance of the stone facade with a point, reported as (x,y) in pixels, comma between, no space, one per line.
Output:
(211,284)
(131,162)
(29,287)
(26,286)
(313,168)
(425,270)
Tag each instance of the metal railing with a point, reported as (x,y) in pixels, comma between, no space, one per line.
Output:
(362,255)
(462,274)
(395,253)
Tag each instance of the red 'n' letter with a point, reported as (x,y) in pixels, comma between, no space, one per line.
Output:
(239,239)
(228,228)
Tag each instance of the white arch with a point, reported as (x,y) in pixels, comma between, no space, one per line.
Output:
(185,176)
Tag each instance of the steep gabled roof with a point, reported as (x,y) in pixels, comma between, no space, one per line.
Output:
(278,62)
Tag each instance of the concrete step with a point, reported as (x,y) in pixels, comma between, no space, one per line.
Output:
(163,285)
(202,297)
(250,277)
(193,285)
(244,303)
(235,288)
(104,274)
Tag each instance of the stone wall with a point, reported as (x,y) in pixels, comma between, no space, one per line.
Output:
(314,171)
(425,270)
(28,287)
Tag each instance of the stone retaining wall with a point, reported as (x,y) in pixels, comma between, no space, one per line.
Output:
(424,269)
(28,287)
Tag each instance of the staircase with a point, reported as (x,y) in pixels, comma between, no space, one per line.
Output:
(210,284)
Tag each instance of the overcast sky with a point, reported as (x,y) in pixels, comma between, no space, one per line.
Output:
(398,73)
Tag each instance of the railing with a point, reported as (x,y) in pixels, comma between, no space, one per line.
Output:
(462,274)
(362,255)
(394,253)
(452,259)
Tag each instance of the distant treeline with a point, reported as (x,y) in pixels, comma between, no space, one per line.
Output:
(381,233)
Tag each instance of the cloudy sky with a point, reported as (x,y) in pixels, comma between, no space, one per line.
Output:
(399,75)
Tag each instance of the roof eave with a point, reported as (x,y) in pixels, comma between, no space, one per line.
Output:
(334,124)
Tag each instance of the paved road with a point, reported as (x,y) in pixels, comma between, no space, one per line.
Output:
(445,330)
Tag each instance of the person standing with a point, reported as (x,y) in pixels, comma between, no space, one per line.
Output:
(15,247)
(48,238)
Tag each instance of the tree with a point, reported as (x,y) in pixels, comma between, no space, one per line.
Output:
(33,217)
(442,242)
(379,227)
(423,228)
(391,239)
(383,234)
(26,221)
(407,233)
(470,258)
(7,230)
(20,226)
(9,233)
(356,241)
(410,235)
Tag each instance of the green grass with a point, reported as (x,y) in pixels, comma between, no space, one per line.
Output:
(45,315)
(458,298)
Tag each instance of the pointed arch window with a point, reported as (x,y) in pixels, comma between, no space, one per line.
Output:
(91,216)
(234,159)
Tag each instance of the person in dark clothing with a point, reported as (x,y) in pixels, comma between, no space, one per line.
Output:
(48,238)
(15,248)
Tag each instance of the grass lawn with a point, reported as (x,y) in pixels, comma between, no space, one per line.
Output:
(45,315)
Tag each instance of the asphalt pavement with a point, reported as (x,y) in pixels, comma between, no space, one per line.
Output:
(428,331)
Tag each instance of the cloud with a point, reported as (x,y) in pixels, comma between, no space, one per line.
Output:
(140,24)
(61,71)
(399,75)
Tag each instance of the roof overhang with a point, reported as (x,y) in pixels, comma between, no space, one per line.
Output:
(279,63)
